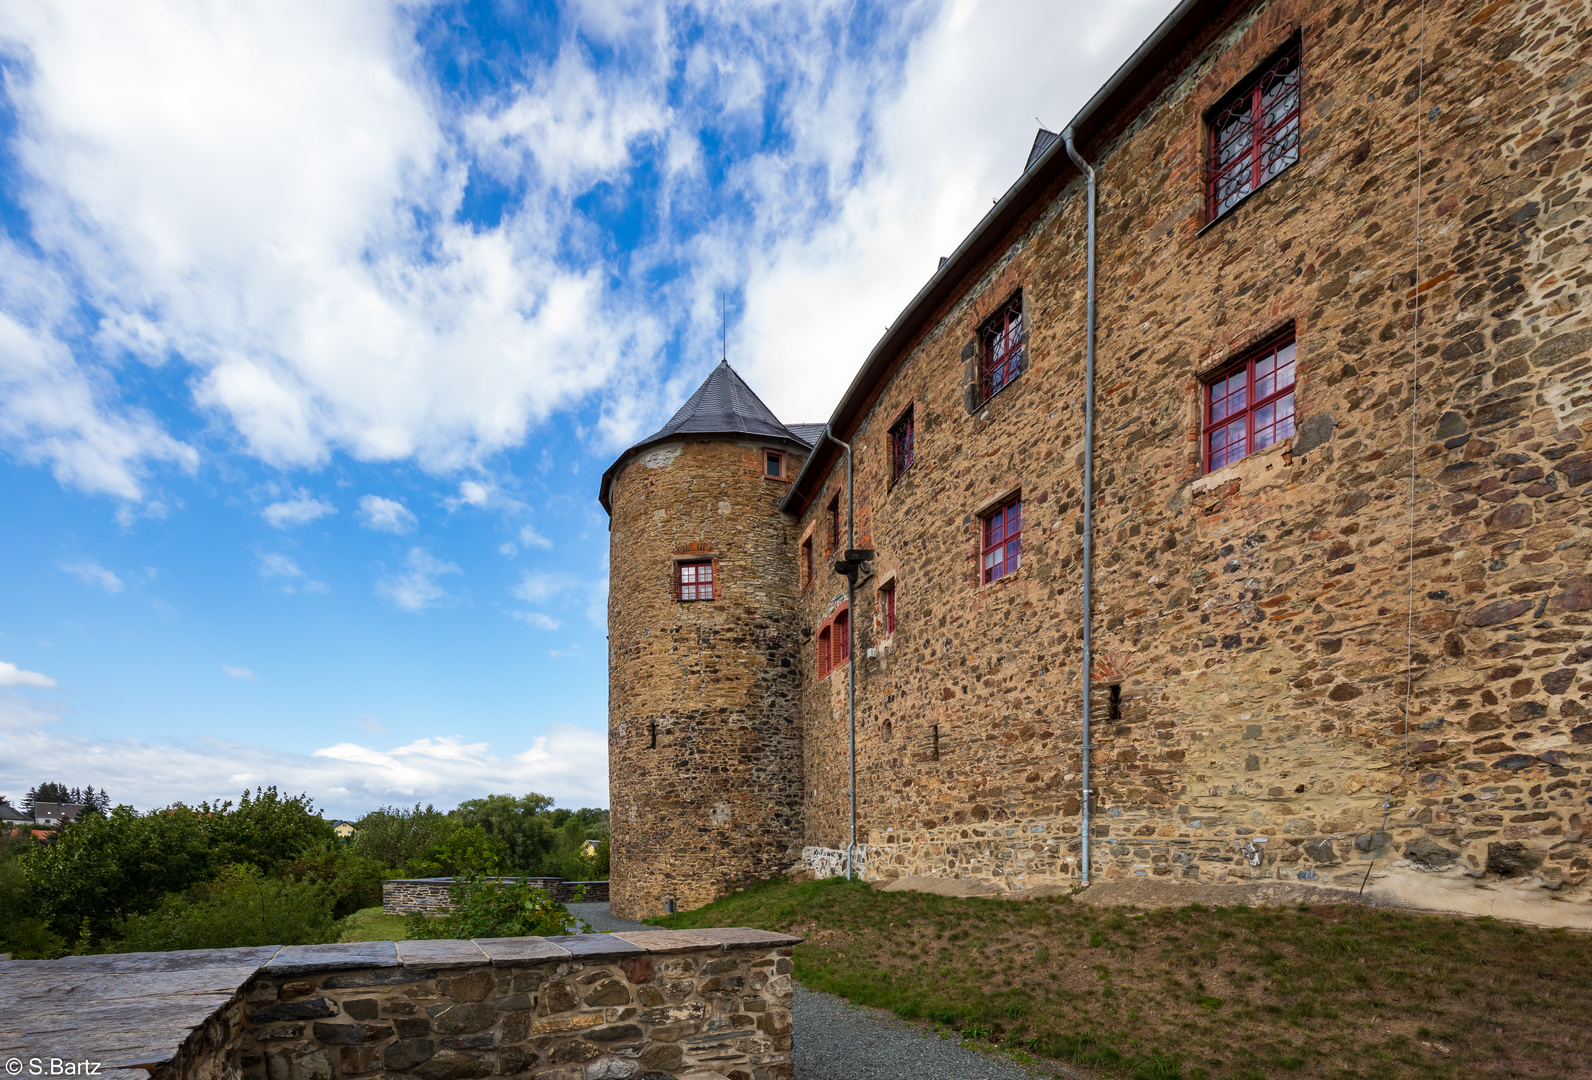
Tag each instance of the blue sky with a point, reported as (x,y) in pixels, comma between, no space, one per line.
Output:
(319,323)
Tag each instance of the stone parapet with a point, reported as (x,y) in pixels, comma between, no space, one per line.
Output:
(701,1004)
(406,896)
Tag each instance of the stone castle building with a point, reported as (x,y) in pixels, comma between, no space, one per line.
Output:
(1340,612)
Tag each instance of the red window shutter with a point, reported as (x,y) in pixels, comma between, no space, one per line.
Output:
(888,597)
(842,645)
(823,652)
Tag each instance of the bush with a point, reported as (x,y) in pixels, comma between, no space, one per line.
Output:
(23,933)
(485,907)
(241,907)
(351,882)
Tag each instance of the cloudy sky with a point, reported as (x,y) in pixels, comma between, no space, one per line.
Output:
(319,323)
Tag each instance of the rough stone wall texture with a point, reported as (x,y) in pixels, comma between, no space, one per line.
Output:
(682,1005)
(703,745)
(1256,618)
(405,896)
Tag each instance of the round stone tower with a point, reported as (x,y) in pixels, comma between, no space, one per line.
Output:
(704,741)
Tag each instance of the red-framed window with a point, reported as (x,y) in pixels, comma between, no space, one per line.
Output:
(1250,405)
(842,640)
(887,597)
(696,581)
(834,524)
(1000,347)
(773,464)
(807,562)
(824,639)
(1003,540)
(1254,134)
(902,439)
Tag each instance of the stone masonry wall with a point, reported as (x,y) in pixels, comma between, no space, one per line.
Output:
(704,749)
(1258,620)
(699,1004)
(405,896)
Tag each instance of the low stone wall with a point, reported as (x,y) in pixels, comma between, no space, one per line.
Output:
(405,896)
(658,1004)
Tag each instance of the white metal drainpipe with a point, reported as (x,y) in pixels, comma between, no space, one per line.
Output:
(851,655)
(1088,486)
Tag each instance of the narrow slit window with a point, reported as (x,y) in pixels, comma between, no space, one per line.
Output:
(696,581)
(654,726)
(902,439)
(934,744)
(1250,405)
(807,562)
(1114,704)
(1255,134)
(834,524)
(1001,348)
(1003,541)
(887,609)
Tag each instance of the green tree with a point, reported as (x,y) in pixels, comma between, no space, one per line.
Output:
(522,824)
(240,907)
(265,829)
(350,881)
(403,840)
(23,932)
(100,869)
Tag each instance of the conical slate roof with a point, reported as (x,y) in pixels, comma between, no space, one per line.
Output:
(722,405)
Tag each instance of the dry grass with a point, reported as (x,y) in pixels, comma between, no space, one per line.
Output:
(1199,993)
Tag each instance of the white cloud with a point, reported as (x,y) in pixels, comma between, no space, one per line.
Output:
(538,586)
(385,515)
(538,619)
(287,575)
(239,672)
(92,573)
(11,675)
(529,537)
(299,510)
(566,762)
(474,494)
(371,724)
(508,549)
(416,588)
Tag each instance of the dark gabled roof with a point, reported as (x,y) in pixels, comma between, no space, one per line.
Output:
(1180,37)
(1042,142)
(807,433)
(722,405)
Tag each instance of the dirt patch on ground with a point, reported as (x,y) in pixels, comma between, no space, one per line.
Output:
(1147,894)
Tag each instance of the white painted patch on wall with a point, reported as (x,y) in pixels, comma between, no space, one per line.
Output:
(662,457)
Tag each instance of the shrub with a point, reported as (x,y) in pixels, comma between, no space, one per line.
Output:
(241,907)
(351,882)
(489,907)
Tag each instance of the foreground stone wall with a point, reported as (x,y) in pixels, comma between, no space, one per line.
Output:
(704,751)
(697,1005)
(1256,620)
(405,896)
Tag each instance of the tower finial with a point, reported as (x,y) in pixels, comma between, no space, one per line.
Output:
(724,329)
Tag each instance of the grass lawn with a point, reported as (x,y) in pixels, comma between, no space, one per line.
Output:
(1194,993)
(369,924)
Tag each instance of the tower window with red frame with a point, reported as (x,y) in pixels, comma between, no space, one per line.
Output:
(1000,347)
(1250,405)
(1003,540)
(902,438)
(696,581)
(1254,133)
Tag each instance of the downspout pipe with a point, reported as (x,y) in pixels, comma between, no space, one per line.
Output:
(1088,487)
(851,653)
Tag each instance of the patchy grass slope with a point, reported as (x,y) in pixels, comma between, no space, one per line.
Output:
(1225,993)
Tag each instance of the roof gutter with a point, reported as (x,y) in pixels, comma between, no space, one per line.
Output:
(1170,33)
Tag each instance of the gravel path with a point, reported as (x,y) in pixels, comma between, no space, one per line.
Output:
(836,1040)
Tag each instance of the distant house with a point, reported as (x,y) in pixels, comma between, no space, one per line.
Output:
(11,817)
(589,848)
(344,829)
(55,814)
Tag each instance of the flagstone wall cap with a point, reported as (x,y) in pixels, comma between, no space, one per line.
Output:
(520,951)
(442,952)
(735,937)
(340,956)
(657,941)
(591,946)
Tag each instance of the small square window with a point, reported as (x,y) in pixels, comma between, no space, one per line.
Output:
(1250,405)
(1000,346)
(696,581)
(1254,134)
(887,597)
(773,464)
(902,438)
(1003,541)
